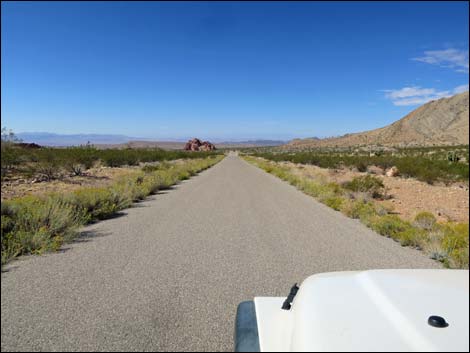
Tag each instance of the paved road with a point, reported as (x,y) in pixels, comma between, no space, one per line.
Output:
(169,273)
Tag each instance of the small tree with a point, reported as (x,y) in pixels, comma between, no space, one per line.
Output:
(48,164)
(8,136)
(79,159)
(10,156)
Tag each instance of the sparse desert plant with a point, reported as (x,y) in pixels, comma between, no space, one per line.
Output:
(10,157)
(452,156)
(454,241)
(359,209)
(367,183)
(49,164)
(390,226)
(414,237)
(99,203)
(78,159)
(424,220)
(35,224)
(335,202)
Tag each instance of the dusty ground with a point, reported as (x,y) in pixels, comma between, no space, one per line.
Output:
(408,196)
(18,186)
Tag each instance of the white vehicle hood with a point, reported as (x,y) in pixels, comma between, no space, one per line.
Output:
(385,310)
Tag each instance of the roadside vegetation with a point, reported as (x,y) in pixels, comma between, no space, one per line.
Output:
(429,164)
(445,242)
(34,224)
(54,163)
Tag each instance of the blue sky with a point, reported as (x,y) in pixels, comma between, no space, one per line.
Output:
(226,70)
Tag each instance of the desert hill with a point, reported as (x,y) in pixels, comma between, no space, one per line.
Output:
(440,122)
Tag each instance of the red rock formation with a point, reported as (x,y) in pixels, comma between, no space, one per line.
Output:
(197,145)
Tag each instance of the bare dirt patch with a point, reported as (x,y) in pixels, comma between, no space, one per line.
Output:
(100,176)
(408,196)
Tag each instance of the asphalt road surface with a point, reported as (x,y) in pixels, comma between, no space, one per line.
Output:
(168,273)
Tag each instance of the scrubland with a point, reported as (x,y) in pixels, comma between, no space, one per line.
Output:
(34,224)
(359,198)
(432,165)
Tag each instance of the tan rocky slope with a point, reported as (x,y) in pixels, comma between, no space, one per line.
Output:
(441,122)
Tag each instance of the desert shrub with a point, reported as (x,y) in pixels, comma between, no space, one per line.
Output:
(153,183)
(34,225)
(151,168)
(311,188)
(99,203)
(459,258)
(368,183)
(413,237)
(424,220)
(49,164)
(361,166)
(359,209)
(335,202)
(390,226)
(455,236)
(78,159)
(10,157)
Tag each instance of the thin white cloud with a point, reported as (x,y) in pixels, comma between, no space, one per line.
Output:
(450,58)
(460,89)
(416,95)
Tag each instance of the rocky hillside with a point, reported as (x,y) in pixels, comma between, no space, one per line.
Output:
(441,122)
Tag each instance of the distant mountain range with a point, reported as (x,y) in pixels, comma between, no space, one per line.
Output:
(51,139)
(440,122)
(107,141)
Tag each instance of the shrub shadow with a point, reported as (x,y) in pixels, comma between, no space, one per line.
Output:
(85,236)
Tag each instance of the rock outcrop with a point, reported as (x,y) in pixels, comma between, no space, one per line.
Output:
(197,145)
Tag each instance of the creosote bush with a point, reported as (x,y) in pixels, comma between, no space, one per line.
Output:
(367,183)
(424,220)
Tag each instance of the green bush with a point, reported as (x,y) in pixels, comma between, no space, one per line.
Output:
(99,203)
(49,165)
(368,183)
(359,209)
(390,226)
(34,225)
(78,159)
(424,220)
(10,157)
(335,202)
(413,237)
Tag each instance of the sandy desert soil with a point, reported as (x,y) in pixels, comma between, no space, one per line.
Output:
(408,196)
(101,176)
